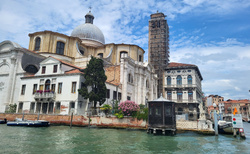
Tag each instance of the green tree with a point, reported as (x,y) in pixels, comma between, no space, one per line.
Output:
(11,108)
(94,87)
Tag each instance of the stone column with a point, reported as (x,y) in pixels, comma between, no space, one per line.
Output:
(125,80)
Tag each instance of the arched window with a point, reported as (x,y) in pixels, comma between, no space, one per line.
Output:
(125,52)
(47,85)
(37,43)
(100,54)
(130,78)
(140,58)
(147,84)
(31,69)
(168,80)
(179,80)
(190,95)
(60,48)
(169,95)
(179,96)
(189,79)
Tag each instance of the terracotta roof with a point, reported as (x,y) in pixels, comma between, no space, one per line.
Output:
(66,63)
(174,64)
(113,74)
(237,101)
(74,71)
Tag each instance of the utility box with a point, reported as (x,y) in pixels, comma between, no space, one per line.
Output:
(161,117)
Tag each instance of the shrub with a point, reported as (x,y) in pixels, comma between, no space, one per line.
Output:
(119,115)
(142,114)
(128,108)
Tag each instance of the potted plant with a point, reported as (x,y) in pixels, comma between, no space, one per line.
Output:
(106,108)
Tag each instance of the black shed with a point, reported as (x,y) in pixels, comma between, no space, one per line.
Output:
(161,116)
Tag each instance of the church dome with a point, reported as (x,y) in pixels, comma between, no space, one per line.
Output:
(88,31)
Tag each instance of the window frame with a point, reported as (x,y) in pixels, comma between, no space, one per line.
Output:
(23,89)
(73,87)
(37,43)
(60,46)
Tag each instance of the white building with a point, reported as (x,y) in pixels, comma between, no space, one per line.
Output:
(53,89)
(128,76)
(182,85)
(15,62)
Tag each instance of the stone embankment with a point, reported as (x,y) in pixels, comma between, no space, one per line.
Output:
(79,120)
(108,122)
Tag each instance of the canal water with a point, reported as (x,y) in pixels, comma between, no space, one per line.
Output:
(62,139)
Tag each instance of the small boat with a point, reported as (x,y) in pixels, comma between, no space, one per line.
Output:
(3,121)
(29,123)
(225,127)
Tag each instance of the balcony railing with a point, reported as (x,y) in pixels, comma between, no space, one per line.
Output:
(182,85)
(185,101)
(44,95)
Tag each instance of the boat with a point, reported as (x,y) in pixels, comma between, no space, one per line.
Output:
(29,123)
(225,127)
(3,121)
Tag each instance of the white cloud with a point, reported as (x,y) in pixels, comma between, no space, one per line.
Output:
(127,22)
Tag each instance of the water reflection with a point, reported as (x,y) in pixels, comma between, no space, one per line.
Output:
(61,139)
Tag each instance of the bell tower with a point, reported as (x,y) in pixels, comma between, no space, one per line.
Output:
(158,46)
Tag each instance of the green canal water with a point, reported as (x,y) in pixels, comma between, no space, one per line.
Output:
(62,139)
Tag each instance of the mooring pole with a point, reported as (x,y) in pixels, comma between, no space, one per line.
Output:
(23,117)
(215,123)
(38,115)
(71,119)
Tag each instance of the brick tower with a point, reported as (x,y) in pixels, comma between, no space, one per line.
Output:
(158,46)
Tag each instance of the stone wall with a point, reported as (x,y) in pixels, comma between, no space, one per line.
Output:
(79,120)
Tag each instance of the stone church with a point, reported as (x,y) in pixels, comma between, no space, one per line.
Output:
(52,56)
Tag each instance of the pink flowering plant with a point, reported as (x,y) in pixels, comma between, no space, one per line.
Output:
(128,108)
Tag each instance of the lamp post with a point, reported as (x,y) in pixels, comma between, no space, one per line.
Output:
(215,120)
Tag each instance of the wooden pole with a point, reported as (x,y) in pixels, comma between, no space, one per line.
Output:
(23,117)
(235,132)
(215,123)
(71,119)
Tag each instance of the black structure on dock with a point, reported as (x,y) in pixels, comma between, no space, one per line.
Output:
(161,117)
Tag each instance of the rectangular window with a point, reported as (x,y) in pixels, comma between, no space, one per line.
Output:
(34,88)
(43,69)
(55,69)
(128,98)
(114,95)
(59,88)
(108,93)
(119,96)
(41,87)
(73,88)
(53,87)
(23,89)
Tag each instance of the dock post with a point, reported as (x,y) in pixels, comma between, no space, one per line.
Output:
(215,123)
(235,132)
(23,117)
(71,119)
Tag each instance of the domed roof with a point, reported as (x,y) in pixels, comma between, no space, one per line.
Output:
(88,31)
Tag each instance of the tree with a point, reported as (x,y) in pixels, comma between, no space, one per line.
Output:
(94,87)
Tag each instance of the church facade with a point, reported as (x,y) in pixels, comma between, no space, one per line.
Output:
(128,76)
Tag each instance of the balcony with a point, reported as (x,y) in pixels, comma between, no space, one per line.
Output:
(180,86)
(185,101)
(46,95)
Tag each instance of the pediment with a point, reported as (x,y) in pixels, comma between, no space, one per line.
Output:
(8,45)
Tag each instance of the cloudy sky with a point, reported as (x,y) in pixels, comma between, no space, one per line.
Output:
(214,34)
